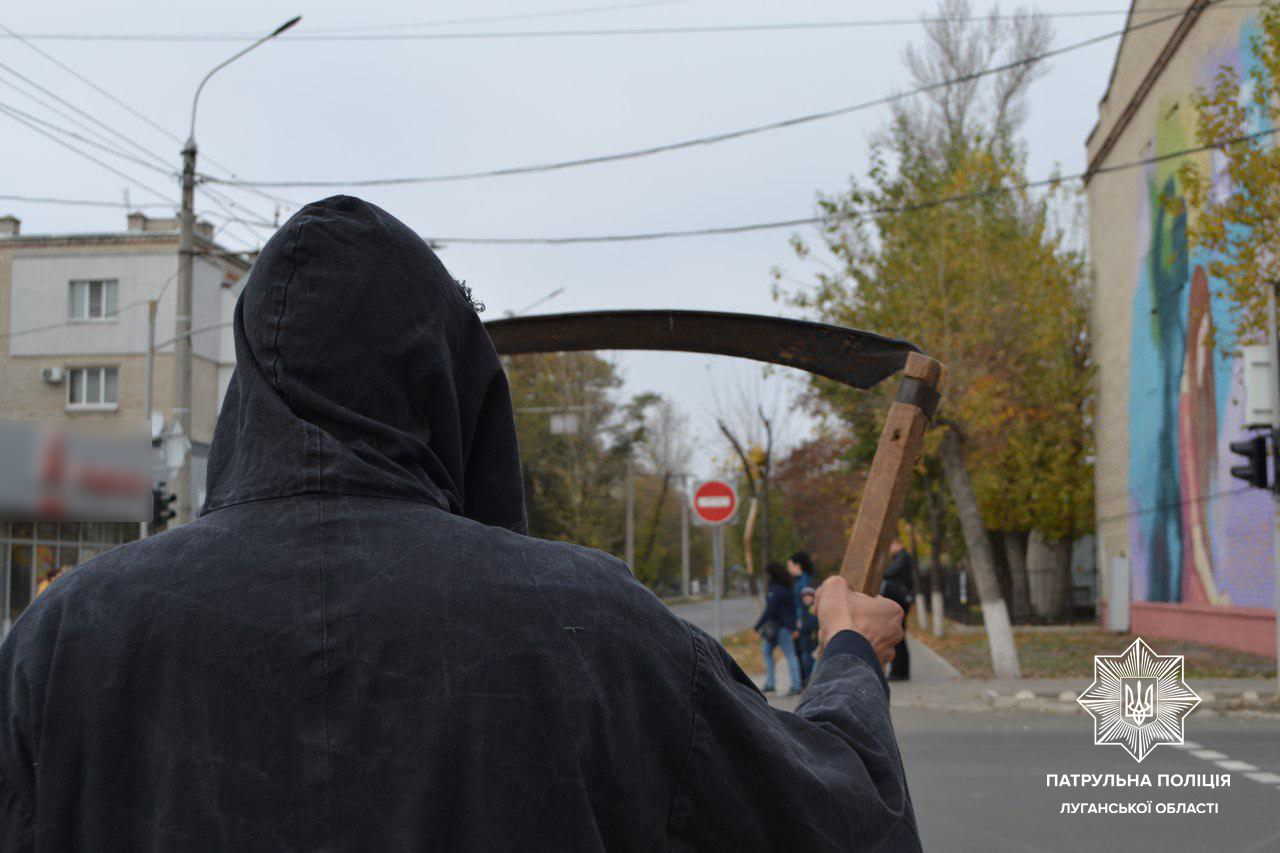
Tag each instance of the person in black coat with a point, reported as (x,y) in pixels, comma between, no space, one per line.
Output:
(777,627)
(356,646)
(898,586)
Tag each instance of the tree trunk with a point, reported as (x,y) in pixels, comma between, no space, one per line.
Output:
(995,615)
(748,533)
(937,601)
(1048,564)
(1015,551)
(918,575)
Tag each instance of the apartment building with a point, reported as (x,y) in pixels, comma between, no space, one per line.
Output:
(73,345)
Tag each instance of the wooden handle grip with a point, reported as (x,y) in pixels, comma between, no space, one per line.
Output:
(887,482)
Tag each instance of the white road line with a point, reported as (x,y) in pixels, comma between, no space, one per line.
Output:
(1218,758)
(1208,754)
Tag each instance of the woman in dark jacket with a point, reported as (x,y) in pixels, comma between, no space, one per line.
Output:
(776,625)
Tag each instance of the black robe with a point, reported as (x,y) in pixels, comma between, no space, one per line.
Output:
(356,647)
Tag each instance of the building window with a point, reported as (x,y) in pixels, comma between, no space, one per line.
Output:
(32,553)
(93,300)
(92,387)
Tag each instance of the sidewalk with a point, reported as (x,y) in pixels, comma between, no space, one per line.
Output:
(936,685)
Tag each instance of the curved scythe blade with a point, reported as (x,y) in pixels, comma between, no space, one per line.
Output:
(857,358)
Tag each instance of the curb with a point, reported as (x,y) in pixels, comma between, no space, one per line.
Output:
(1229,703)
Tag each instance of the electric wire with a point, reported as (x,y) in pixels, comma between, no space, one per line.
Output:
(851,215)
(90,157)
(82,202)
(136,113)
(356,34)
(711,139)
(14,111)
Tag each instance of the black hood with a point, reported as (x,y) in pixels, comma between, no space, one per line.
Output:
(362,368)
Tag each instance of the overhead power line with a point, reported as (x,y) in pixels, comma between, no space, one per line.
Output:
(857,214)
(14,111)
(493,19)
(710,139)
(358,34)
(112,169)
(132,111)
(83,202)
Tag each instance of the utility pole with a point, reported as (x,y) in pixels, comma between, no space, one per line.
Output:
(181,408)
(151,379)
(631,519)
(684,536)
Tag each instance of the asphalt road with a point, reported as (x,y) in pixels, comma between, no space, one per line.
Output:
(979,784)
(735,613)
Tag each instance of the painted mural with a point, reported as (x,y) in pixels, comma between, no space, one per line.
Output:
(1196,535)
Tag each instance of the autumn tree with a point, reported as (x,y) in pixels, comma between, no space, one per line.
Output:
(1237,211)
(960,260)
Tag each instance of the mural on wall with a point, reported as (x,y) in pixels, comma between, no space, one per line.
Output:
(1196,535)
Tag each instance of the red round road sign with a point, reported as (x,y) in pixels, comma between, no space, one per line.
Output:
(714,502)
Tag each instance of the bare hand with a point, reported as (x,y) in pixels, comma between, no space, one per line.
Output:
(840,608)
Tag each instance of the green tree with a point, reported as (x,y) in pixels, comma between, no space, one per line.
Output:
(983,280)
(575,439)
(1236,216)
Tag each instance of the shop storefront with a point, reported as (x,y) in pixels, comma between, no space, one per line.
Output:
(32,552)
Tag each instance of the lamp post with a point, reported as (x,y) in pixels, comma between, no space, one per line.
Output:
(181,409)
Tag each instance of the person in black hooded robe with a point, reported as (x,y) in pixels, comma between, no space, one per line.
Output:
(356,646)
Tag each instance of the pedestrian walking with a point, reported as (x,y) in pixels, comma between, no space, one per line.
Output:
(800,567)
(356,646)
(777,628)
(898,585)
(807,633)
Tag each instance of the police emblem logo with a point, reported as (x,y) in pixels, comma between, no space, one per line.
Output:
(1138,699)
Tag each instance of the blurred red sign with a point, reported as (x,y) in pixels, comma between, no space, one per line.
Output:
(714,502)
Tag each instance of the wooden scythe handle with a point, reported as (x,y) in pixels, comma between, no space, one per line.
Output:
(887,482)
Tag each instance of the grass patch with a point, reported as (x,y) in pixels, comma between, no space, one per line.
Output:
(744,647)
(1068,653)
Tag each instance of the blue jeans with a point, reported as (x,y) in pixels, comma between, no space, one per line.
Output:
(784,642)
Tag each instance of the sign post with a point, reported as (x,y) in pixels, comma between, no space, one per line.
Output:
(714,504)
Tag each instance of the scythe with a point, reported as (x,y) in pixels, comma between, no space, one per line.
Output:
(856,358)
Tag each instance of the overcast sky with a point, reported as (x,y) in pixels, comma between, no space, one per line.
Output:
(340,110)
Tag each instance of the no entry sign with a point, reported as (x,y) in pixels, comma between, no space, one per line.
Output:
(714,502)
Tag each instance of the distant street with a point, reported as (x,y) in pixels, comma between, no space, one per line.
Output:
(978,782)
(735,613)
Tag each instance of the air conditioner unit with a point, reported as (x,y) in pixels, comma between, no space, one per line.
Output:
(52,375)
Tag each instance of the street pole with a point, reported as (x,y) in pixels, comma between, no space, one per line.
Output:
(182,324)
(684,537)
(151,378)
(181,409)
(631,521)
(717,572)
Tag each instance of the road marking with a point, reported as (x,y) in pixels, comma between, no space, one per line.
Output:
(1208,754)
(1218,758)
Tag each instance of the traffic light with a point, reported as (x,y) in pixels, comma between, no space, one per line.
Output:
(1254,471)
(160,501)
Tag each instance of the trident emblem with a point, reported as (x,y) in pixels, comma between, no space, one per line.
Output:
(1139,703)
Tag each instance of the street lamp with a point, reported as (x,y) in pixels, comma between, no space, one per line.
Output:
(186,253)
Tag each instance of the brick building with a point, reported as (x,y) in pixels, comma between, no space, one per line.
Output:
(1184,549)
(73,345)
